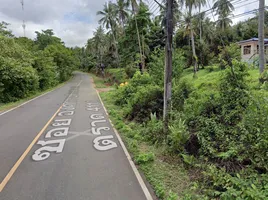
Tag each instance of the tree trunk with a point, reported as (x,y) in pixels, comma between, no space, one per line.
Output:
(168,65)
(200,23)
(115,43)
(192,41)
(261,35)
(139,40)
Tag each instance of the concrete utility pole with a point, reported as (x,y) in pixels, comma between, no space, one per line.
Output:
(261,35)
(168,64)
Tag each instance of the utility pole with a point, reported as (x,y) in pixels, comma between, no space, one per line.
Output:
(261,36)
(168,64)
(23,22)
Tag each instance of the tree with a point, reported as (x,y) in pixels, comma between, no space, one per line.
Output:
(46,38)
(223,9)
(121,10)
(201,16)
(108,20)
(4,31)
(190,4)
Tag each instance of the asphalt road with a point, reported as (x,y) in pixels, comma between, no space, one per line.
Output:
(77,156)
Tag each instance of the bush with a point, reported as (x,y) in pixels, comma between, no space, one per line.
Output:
(126,92)
(178,135)
(157,64)
(246,185)
(17,77)
(145,158)
(228,54)
(153,130)
(16,81)
(130,70)
(148,99)
(181,92)
(46,69)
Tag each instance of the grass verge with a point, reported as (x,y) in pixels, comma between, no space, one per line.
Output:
(168,178)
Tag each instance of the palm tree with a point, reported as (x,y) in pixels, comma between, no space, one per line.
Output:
(98,43)
(201,3)
(224,9)
(135,6)
(190,4)
(122,11)
(108,20)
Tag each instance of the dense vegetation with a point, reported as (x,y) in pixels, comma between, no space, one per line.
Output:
(218,123)
(28,66)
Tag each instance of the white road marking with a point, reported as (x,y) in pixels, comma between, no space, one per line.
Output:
(133,166)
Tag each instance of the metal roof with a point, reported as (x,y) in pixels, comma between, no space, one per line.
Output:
(253,39)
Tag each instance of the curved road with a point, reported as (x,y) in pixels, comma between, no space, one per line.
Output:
(61,146)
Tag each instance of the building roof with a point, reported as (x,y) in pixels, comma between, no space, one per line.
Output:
(253,39)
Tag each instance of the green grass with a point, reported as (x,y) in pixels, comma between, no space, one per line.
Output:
(99,82)
(209,80)
(10,105)
(164,173)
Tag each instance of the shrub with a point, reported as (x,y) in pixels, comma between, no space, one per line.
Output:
(228,54)
(130,70)
(145,158)
(16,81)
(246,185)
(181,92)
(157,64)
(46,70)
(153,130)
(178,135)
(148,99)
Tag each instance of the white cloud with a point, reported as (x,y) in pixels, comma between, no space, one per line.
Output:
(72,20)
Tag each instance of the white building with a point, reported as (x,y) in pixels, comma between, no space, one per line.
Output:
(250,49)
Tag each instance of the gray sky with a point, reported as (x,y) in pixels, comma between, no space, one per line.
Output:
(72,20)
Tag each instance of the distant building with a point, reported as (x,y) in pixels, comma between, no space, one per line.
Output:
(250,49)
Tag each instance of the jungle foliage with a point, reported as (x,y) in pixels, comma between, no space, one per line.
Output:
(218,124)
(28,66)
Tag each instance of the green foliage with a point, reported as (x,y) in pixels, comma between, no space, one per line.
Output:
(46,38)
(181,92)
(145,158)
(157,64)
(16,81)
(178,135)
(46,70)
(245,185)
(64,60)
(172,196)
(24,70)
(153,130)
(148,99)
(131,70)
(228,53)
(17,77)
(125,93)
(4,31)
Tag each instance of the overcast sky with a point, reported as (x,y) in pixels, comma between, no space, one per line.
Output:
(72,20)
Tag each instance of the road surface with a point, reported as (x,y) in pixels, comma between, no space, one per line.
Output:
(61,146)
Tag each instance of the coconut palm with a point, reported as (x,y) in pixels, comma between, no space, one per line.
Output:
(190,4)
(223,9)
(121,10)
(108,20)
(201,3)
